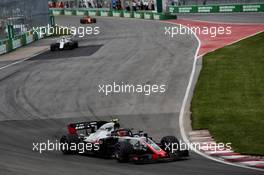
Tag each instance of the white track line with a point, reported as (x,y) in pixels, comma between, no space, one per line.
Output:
(187,92)
(20,61)
(218,152)
(253,163)
(233,157)
(211,143)
(201,138)
(181,117)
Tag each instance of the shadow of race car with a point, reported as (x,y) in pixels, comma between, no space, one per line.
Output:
(87,20)
(108,140)
(65,43)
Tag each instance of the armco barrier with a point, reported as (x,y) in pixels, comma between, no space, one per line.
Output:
(115,13)
(217,8)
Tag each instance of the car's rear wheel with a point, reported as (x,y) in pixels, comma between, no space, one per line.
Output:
(69,46)
(171,145)
(123,151)
(53,47)
(76,45)
(67,142)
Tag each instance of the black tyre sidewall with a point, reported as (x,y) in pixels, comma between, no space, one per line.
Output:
(53,47)
(169,140)
(69,139)
(123,151)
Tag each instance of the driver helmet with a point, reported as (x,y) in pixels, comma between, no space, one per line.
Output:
(122,133)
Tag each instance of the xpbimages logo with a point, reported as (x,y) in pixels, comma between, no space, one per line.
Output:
(172,147)
(79,31)
(145,89)
(211,31)
(49,145)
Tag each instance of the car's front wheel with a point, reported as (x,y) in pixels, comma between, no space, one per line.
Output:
(123,151)
(171,145)
(68,143)
(53,47)
(76,45)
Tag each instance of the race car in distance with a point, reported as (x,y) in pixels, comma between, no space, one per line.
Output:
(65,43)
(110,141)
(87,20)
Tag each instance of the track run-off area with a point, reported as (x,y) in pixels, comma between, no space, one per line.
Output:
(41,95)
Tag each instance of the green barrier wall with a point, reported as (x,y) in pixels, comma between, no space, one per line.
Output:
(8,45)
(118,13)
(3,49)
(115,13)
(12,44)
(81,12)
(218,8)
(16,43)
(128,14)
(139,15)
(148,15)
(29,38)
(5,46)
(106,13)
(69,12)
(94,13)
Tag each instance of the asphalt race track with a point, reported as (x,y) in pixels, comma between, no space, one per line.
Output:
(41,95)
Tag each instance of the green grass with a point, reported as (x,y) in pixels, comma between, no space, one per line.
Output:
(229,95)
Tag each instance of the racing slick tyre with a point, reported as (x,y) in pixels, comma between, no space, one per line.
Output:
(123,151)
(75,43)
(69,46)
(54,47)
(169,142)
(66,141)
(82,21)
(93,20)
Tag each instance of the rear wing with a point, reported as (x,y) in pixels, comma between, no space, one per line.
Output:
(90,127)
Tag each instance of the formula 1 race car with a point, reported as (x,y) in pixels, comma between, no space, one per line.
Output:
(65,43)
(87,20)
(107,139)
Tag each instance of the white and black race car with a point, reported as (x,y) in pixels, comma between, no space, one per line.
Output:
(107,139)
(65,43)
